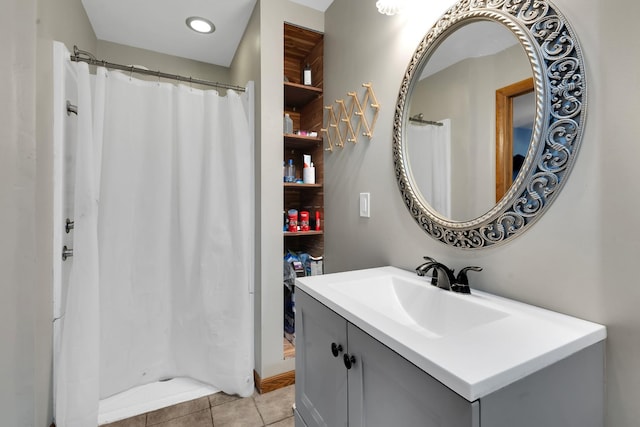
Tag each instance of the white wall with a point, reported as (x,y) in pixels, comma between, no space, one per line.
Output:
(21,376)
(121,54)
(261,56)
(579,258)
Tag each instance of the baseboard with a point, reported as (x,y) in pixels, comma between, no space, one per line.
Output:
(265,385)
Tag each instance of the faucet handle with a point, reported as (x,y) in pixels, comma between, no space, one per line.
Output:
(462,281)
(434,275)
(422,268)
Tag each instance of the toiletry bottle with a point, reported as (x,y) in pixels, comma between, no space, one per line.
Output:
(309,175)
(291,172)
(293,220)
(304,220)
(306,75)
(288,124)
(317,220)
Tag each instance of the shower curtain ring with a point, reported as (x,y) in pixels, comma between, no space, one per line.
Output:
(130,72)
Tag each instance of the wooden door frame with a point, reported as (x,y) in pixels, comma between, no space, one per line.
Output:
(504,133)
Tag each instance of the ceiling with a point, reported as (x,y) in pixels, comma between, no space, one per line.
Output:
(163,29)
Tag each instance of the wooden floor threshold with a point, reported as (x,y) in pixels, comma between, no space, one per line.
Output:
(265,385)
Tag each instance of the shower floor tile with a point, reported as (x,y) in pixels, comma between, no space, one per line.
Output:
(272,409)
(177,411)
(156,396)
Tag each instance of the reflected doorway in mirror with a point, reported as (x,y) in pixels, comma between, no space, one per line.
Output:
(515,113)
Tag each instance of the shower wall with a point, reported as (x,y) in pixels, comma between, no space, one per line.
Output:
(64,145)
(63,20)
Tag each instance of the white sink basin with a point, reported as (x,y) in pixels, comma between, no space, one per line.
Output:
(417,304)
(474,344)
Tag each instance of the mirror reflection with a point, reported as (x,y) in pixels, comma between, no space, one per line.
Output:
(451,134)
(515,113)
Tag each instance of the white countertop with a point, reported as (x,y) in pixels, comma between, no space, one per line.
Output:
(474,361)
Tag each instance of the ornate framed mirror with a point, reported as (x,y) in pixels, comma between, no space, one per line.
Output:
(446,136)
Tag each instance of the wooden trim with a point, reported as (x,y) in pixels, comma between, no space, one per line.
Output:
(302,233)
(274,383)
(296,185)
(504,133)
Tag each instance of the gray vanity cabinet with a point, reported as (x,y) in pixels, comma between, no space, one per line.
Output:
(321,380)
(377,387)
(380,389)
(387,390)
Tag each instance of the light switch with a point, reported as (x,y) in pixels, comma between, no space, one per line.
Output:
(365,205)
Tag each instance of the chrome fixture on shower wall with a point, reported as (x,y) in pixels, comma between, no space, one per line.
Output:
(71,109)
(66,252)
(68,226)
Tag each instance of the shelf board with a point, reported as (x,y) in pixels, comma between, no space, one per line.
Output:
(293,142)
(301,138)
(301,142)
(295,185)
(303,233)
(297,95)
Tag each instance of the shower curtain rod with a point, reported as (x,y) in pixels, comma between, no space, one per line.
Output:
(419,118)
(84,56)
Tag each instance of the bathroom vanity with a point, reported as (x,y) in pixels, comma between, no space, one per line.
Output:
(382,347)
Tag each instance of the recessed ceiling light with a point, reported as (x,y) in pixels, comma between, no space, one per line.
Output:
(200,25)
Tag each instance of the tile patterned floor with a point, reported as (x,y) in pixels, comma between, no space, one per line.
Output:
(221,410)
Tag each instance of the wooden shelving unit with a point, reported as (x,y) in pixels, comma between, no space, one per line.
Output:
(304,104)
(297,95)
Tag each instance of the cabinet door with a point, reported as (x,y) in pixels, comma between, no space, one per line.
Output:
(386,390)
(321,380)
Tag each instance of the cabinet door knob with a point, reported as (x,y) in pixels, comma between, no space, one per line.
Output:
(336,349)
(349,360)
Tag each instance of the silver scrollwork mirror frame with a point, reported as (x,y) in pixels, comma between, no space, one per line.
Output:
(560,86)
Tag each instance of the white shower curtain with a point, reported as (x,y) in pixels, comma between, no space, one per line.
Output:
(429,147)
(163,244)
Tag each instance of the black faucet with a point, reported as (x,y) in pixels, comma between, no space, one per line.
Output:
(442,280)
(444,277)
(422,269)
(462,281)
